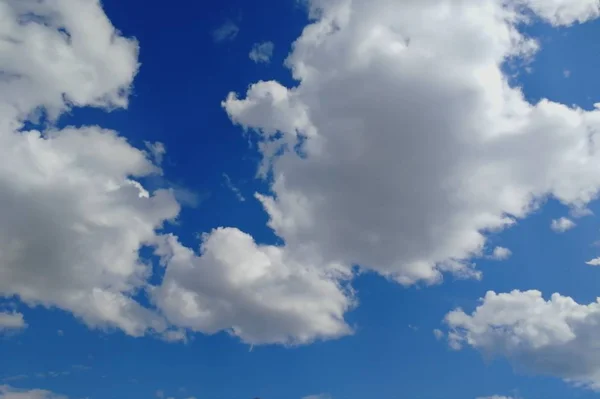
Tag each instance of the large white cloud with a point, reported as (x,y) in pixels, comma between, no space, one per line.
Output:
(556,337)
(71,218)
(263,294)
(413,144)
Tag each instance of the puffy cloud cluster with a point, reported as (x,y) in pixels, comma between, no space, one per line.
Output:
(72,218)
(403,143)
(74,215)
(556,337)
(402,146)
(263,294)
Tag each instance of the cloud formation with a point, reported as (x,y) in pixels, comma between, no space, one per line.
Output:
(262,52)
(555,337)
(561,225)
(500,253)
(73,217)
(12,321)
(380,158)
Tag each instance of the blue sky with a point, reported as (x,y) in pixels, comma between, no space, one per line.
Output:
(365,283)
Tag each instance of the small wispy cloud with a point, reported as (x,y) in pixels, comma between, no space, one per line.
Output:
(561,225)
(262,52)
(318,396)
(229,184)
(226,32)
(567,73)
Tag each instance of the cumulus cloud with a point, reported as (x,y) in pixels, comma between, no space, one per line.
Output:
(12,321)
(386,160)
(73,215)
(500,253)
(262,294)
(379,158)
(262,52)
(555,337)
(561,225)
(7,392)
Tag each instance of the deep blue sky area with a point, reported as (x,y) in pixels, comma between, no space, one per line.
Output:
(393,353)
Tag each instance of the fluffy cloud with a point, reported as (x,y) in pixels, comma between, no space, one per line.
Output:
(593,262)
(72,218)
(262,52)
(555,337)
(501,253)
(7,392)
(561,225)
(379,157)
(75,214)
(262,294)
(11,321)
(403,143)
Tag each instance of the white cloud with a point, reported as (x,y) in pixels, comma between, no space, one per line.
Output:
(501,253)
(563,12)
(262,294)
(226,32)
(438,334)
(11,321)
(74,216)
(561,225)
(567,73)
(262,52)
(405,175)
(593,262)
(7,392)
(73,219)
(556,337)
